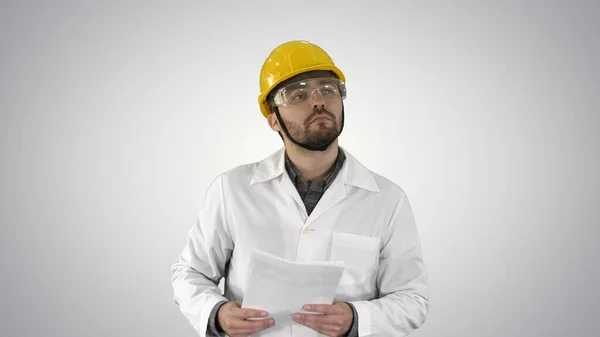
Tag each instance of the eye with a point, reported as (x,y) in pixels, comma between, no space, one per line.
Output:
(328,88)
(299,96)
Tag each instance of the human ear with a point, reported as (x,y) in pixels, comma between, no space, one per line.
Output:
(273,122)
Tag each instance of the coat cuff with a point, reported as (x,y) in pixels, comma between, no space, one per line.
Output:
(214,329)
(354,329)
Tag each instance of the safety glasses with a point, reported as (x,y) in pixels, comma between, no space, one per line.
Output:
(310,90)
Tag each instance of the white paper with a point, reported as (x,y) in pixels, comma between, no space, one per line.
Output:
(282,287)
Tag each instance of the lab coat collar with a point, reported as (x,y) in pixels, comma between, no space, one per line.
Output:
(353,172)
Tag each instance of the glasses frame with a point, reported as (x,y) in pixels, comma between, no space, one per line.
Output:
(280,100)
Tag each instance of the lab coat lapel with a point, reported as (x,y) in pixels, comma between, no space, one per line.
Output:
(290,189)
(353,173)
(273,168)
(333,195)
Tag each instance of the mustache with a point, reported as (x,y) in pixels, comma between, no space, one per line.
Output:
(320,110)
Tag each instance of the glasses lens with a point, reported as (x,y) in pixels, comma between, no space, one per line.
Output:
(301,92)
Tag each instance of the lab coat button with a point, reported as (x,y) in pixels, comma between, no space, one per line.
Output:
(307,229)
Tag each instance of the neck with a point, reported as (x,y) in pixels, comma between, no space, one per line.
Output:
(312,165)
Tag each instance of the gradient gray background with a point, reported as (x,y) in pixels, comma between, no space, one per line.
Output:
(115,117)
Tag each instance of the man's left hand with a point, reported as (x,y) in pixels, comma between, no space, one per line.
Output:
(334,319)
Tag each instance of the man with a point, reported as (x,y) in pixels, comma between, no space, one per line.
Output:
(309,201)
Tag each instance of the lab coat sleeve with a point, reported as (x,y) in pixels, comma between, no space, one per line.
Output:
(202,263)
(402,281)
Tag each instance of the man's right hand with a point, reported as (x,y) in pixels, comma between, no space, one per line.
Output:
(232,319)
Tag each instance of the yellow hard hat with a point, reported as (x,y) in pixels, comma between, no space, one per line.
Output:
(288,60)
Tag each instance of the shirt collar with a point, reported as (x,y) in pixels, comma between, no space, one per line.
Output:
(328,179)
(352,171)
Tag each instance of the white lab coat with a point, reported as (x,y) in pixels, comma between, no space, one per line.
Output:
(362,219)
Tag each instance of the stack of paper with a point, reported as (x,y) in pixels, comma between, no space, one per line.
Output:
(283,287)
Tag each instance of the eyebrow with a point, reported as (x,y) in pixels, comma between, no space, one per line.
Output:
(327,81)
(293,86)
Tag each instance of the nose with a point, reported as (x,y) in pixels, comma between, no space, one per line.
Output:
(317,98)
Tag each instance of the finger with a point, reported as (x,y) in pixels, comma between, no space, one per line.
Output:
(257,328)
(318,319)
(254,325)
(327,330)
(323,308)
(249,313)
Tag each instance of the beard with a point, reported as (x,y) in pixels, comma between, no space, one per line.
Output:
(314,134)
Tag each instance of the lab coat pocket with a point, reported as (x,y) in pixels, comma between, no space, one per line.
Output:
(359,253)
